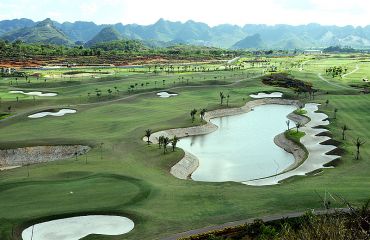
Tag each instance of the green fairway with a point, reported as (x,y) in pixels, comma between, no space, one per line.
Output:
(127,177)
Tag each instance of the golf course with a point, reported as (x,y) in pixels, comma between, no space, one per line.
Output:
(80,135)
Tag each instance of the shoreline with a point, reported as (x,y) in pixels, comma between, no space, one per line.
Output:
(189,163)
(318,154)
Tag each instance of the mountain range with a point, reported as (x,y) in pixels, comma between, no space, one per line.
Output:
(164,33)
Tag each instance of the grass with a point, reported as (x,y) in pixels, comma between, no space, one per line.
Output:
(4,115)
(133,179)
(300,111)
(295,136)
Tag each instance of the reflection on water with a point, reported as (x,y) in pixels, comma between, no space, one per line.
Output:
(243,147)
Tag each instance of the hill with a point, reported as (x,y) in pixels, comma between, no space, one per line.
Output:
(107,34)
(250,42)
(43,32)
(165,32)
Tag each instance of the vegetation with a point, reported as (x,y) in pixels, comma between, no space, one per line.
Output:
(330,226)
(295,136)
(125,176)
(300,111)
(287,81)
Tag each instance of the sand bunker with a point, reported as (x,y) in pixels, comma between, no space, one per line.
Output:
(166,94)
(39,94)
(75,228)
(317,157)
(267,95)
(60,113)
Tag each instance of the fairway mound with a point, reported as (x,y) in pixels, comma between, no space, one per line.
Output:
(75,228)
(10,158)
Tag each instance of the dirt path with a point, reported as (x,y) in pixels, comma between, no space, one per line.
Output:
(333,84)
(248,221)
(353,71)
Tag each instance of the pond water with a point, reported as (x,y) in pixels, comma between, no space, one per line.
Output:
(39,94)
(166,94)
(243,147)
(75,228)
(59,113)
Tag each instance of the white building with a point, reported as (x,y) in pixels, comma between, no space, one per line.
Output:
(312,52)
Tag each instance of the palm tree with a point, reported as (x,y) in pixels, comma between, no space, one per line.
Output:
(202,113)
(222,97)
(335,113)
(358,143)
(165,142)
(160,141)
(327,102)
(148,133)
(344,129)
(174,141)
(192,114)
(298,125)
(288,124)
(227,101)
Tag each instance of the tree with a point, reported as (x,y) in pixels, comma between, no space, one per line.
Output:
(222,97)
(160,141)
(166,141)
(148,133)
(344,129)
(335,113)
(298,125)
(202,113)
(192,114)
(327,102)
(288,124)
(174,142)
(358,143)
(227,101)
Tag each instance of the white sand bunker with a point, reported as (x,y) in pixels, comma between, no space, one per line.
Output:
(39,94)
(60,113)
(166,94)
(267,95)
(317,157)
(78,227)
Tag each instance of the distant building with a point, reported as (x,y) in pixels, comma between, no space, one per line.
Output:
(312,52)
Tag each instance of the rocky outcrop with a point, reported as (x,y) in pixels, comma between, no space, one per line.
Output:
(31,155)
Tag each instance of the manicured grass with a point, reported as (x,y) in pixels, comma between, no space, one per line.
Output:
(300,111)
(133,179)
(293,135)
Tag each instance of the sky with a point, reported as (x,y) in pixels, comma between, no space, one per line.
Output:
(212,12)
